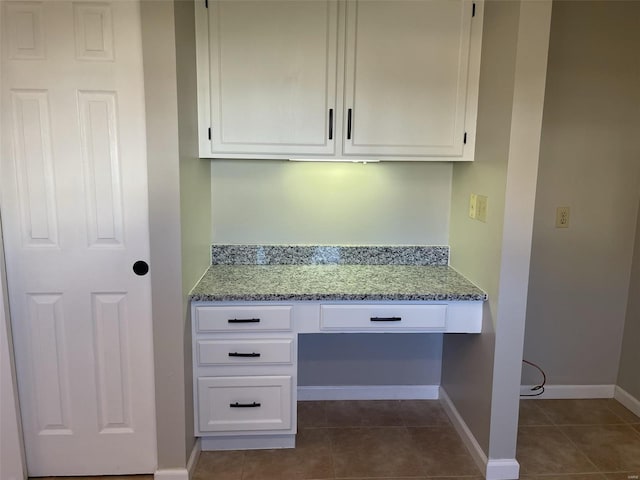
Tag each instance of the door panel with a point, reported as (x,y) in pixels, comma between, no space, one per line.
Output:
(75,214)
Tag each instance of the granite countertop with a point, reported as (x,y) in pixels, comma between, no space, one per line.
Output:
(314,273)
(334,282)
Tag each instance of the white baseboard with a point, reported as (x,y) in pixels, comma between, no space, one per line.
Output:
(370,392)
(193,458)
(171,474)
(248,442)
(479,457)
(505,469)
(570,391)
(494,469)
(181,473)
(628,400)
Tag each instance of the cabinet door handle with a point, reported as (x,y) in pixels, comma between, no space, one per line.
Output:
(250,355)
(385,319)
(244,405)
(244,320)
(349,124)
(331,124)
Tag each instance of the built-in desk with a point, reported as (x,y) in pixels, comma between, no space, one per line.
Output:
(246,319)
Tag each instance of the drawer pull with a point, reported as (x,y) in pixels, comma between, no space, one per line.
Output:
(244,405)
(251,355)
(385,319)
(244,320)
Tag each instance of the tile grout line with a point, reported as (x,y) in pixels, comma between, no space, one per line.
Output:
(559,427)
(579,449)
(325,418)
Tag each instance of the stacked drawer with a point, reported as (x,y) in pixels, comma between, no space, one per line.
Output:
(244,370)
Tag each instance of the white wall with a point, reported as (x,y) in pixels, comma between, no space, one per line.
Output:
(263,202)
(401,203)
(589,161)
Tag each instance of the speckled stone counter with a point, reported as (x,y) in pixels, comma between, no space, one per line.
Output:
(334,283)
(329,255)
(290,273)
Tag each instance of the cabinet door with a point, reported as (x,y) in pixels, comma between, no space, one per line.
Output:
(272,67)
(407,73)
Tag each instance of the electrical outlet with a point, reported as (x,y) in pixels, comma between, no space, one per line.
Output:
(562,217)
(473,203)
(482,207)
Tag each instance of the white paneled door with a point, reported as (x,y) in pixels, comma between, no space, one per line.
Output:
(75,216)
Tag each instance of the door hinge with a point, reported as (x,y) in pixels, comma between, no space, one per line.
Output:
(464,139)
(209,133)
(473,9)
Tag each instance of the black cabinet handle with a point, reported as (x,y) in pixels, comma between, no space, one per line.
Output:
(349,124)
(250,355)
(385,319)
(244,320)
(331,124)
(244,405)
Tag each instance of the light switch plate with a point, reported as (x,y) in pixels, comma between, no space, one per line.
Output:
(473,202)
(482,208)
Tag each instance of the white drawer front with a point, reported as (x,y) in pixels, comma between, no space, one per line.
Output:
(245,352)
(243,319)
(231,404)
(383,317)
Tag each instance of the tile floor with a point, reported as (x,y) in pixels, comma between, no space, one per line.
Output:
(393,440)
(580,439)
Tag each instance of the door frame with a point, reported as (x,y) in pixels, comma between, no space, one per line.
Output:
(11,416)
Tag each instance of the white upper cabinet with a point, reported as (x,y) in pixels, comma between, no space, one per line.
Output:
(406,78)
(355,79)
(272,78)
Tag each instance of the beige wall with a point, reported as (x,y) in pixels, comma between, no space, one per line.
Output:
(476,246)
(263,202)
(195,190)
(589,161)
(628,377)
(369,359)
(179,214)
(481,373)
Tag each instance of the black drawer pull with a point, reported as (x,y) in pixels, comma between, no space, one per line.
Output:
(349,124)
(236,354)
(244,405)
(244,320)
(385,319)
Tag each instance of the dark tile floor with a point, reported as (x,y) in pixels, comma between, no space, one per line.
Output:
(579,439)
(391,440)
(355,440)
(407,439)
